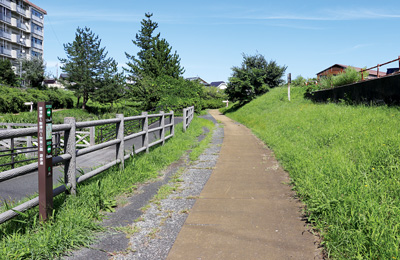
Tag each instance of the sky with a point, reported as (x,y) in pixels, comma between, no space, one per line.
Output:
(211,36)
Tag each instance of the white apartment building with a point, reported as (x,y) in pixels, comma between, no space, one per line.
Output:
(21,30)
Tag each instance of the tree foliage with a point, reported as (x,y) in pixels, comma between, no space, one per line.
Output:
(88,68)
(112,88)
(7,75)
(33,72)
(155,57)
(253,78)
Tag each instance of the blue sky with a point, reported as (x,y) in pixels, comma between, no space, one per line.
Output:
(210,36)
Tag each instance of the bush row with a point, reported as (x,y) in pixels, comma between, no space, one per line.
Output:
(12,99)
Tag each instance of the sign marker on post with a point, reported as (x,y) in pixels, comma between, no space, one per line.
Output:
(45,165)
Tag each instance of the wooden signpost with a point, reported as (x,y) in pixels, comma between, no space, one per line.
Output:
(289,80)
(45,165)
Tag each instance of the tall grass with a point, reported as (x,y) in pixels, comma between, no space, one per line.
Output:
(75,218)
(344,163)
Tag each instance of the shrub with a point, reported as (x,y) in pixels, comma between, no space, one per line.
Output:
(12,99)
(349,76)
(299,81)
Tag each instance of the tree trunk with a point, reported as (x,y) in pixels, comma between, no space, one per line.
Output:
(77,103)
(85,99)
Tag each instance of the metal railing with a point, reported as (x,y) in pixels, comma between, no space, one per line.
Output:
(5,34)
(377,67)
(7,3)
(5,51)
(37,19)
(69,127)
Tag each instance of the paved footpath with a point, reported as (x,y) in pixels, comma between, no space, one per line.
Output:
(246,210)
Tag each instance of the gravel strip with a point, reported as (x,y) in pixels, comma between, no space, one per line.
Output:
(162,222)
(158,227)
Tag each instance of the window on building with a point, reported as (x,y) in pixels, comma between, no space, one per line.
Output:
(36,54)
(37,27)
(37,14)
(37,41)
(5,14)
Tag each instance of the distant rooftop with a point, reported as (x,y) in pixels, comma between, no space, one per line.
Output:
(36,7)
(216,83)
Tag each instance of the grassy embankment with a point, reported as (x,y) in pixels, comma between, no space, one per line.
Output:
(344,163)
(75,219)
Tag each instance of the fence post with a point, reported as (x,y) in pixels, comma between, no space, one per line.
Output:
(173,123)
(12,153)
(29,144)
(145,140)
(120,148)
(377,72)
(70,148)
(184,119)
(92,135)
(162,124)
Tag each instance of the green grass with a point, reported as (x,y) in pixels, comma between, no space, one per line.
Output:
(75,219)
(344,162)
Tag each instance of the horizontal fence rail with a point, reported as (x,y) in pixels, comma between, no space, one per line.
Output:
(378,66)
(162,123)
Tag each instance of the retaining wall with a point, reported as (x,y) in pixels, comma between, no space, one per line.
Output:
(386,89)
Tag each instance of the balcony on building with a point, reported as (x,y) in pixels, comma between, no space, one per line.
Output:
(5,35)
(37,32)
(37,19)
(37,46)
(21,10)
(5,51)
(5,18)
(6,3)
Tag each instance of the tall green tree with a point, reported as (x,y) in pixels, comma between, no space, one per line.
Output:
(113,86)
(86,64)
(33,72)
(253,78)
(155,57)
(7,74)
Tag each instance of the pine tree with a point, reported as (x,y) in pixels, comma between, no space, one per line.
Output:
(155,57)
(112,86)
(86,64)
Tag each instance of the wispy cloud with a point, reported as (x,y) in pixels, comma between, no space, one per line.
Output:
(350,49)
(319,15)
(101,16)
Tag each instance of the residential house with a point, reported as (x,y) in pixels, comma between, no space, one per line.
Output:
(200,80)
(339,68)
(219,84)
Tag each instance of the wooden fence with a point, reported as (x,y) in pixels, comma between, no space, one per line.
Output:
(165,128)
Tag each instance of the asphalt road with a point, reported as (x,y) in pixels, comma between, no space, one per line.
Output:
(26,185)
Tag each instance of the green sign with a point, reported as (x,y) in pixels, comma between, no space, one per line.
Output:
(48,112)
(49,149)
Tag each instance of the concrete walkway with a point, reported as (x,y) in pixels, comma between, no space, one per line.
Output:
(246,210)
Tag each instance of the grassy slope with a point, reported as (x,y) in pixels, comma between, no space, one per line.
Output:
(75,218)
(344,163)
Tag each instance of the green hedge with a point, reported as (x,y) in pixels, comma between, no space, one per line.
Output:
(12,99)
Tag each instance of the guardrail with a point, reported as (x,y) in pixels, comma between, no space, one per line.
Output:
(166,131)
(377,67)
